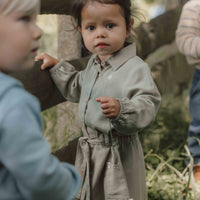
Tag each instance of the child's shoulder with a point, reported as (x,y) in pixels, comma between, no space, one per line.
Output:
(128,57)
(137,62)
(9,84)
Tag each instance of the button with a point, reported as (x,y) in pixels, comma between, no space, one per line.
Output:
(61,68)
(103,64)
(109,165)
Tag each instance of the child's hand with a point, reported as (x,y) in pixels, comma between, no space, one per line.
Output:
(48,61)
(110,106)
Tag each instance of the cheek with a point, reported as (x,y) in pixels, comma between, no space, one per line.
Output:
(21,46)
(18,41)
(25,40)
(15,46)
(14,51)
(87,41)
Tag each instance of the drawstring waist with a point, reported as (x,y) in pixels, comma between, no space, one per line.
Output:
(94,137)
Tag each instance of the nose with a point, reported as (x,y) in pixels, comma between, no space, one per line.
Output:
(101,32)
(37,32)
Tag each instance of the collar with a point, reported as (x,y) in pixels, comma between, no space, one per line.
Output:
(119,58)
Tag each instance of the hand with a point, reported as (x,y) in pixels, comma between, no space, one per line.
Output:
(110,106)
(48,61)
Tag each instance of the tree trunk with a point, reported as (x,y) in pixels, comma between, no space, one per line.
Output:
(61,7)
(158,32)
(69,43)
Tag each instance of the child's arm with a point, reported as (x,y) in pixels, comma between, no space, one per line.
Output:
(188,31)
(67,79)
(139,108)
(26,155)
(48,61)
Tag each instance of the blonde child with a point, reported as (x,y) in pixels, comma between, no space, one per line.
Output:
(117,98)
(27,169)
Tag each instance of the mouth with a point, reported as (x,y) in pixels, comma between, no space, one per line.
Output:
(101,45)
(34,51)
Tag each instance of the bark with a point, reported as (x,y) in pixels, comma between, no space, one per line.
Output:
(69,43)
(158,32)
(40,84)
(62,7)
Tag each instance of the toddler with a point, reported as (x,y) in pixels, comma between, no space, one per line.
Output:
(117,99)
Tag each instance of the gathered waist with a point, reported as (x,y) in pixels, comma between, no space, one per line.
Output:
(94,137)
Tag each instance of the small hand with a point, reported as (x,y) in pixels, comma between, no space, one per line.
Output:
(48,61)
(110,106)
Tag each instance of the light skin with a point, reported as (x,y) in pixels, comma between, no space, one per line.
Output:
(104,31)
(19,37)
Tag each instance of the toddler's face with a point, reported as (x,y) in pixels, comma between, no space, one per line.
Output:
(19,41)
(103,28)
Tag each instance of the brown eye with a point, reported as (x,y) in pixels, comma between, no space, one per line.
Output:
(110,25)
(90,28)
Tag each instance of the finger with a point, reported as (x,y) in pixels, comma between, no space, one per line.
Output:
(45,64)
(98,99)
(109,115)
(106,111)
(41,56)
(102,99)
(38,58)
(105,106)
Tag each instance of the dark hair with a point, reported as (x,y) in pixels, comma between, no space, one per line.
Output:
(124,4)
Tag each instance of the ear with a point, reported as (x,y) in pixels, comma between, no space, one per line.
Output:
(79,29)
(130,26)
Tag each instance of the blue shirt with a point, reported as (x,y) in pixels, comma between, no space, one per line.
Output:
(27,169)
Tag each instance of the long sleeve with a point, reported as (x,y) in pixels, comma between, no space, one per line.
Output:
(188,32)
(141,106)
(25,154)
(68,80)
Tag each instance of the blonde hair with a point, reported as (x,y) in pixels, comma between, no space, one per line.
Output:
(12,6)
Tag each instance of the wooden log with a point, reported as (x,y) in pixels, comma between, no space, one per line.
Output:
(62,7)
(40,84)
(158,32)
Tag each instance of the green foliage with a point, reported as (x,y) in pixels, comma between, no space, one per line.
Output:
(169,131)
(49,118)
(165,150)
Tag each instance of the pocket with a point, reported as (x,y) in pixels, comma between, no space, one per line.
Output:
(115,183)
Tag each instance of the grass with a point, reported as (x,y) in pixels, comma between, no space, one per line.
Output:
(165,148)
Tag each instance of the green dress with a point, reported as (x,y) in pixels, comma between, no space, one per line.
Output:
(109,155)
